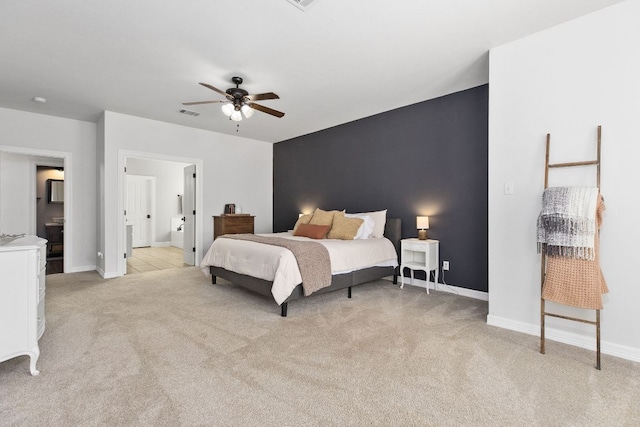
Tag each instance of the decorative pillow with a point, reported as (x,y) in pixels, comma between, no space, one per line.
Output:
(366,229)
(379,219)
(344,228)
(304,219)
(312,231)
(321,217)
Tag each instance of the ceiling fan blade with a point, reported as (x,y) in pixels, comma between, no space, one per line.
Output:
(262,96)
(215,89)
(202,102)
(265,109)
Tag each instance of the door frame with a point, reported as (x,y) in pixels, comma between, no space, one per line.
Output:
(68,194)
(121,230)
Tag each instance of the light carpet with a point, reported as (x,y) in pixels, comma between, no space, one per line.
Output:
(167,348)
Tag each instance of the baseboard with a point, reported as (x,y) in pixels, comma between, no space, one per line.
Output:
(160,244)
(582,341)
(470,293)
(82,268)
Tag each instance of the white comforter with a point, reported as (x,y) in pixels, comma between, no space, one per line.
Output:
(277,264)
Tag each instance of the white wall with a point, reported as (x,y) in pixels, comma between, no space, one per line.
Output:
(15,203)
(38,134)
(169,183)
(235,170)
(565,81)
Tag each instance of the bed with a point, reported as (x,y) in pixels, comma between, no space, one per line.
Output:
(343,276)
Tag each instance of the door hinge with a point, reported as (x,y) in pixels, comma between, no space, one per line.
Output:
(194,249)
(194,212)
(125,255)
(125,169)
(194,175)
(125,211)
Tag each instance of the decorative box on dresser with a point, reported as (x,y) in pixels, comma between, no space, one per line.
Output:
(232,224)
(22,289)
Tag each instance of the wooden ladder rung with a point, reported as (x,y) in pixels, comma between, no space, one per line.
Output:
(577,319)
(569,164)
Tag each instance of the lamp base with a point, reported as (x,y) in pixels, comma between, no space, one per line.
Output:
(422,234)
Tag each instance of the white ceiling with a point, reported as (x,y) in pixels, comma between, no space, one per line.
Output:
(339,61)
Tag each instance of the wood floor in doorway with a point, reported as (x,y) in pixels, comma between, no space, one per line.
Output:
(152,259)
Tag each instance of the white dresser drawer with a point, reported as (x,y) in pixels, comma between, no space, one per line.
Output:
(415,246)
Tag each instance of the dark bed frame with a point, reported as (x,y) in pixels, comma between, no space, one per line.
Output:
(338,281)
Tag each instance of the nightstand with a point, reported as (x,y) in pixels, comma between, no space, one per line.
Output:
(420,255)
(232,224)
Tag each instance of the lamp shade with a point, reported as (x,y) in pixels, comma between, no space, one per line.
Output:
(227,109)
(247,111)
(236,116)
(422,222)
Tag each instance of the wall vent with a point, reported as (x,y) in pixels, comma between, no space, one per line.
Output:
(188,112)
(302,4)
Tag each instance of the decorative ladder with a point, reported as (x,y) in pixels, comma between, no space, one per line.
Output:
(543,263)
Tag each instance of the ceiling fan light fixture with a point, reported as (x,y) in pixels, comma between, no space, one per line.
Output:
(227,109)
(247,111)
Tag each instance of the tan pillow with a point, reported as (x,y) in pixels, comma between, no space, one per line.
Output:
(344,228)
(312,231)
(304,219)
(321,217)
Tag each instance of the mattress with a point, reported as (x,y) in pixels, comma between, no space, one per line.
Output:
(278,265)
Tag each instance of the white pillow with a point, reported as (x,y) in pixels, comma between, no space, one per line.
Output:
(379,219)
(366,228)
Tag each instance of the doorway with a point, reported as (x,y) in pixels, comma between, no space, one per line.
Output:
(158,232)
(50,214)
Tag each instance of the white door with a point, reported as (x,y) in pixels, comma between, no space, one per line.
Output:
(138,208)
(189,213)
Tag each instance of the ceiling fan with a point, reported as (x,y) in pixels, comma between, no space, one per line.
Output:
(239,102)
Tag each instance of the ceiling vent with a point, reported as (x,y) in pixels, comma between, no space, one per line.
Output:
(188,112)
(302,4)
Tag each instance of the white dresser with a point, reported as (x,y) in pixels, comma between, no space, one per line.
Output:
(22,289)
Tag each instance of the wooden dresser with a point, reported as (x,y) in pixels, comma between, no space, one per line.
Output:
(232,224)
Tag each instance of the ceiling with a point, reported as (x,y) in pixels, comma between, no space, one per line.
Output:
(338,61)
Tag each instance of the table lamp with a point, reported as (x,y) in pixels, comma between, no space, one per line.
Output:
(422,223)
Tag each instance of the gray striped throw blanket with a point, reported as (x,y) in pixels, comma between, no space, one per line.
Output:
(567,222)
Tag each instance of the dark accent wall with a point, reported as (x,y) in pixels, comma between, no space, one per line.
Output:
(429,159)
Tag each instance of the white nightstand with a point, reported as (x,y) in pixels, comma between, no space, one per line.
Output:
(420,255)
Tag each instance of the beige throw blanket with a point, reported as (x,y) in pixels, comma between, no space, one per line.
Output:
(312,257)
(577,282)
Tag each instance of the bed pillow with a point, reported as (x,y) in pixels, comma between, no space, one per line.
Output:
(312,231)
(321,217)
(303,219)
(379,219)
(366,229)
(344,228)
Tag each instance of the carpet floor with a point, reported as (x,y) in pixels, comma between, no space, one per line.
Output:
(167,348)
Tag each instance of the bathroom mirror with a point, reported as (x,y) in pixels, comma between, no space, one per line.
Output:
(55,190)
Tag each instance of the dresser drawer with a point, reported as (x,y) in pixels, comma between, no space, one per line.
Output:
(415,246)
